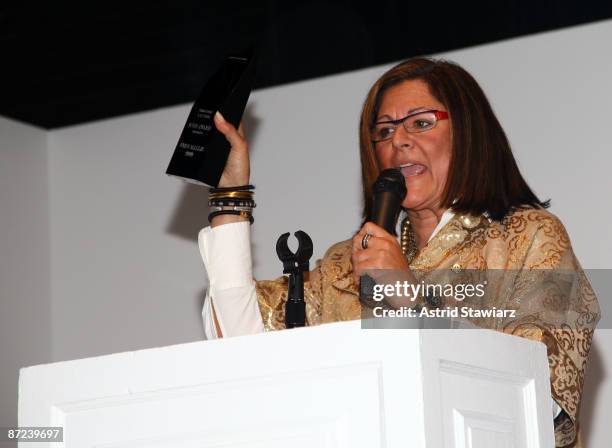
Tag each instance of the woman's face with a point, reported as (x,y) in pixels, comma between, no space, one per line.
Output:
(429,152)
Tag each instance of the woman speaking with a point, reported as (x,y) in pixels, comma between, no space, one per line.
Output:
(467,208)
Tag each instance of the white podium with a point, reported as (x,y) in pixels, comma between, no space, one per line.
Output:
(334,385)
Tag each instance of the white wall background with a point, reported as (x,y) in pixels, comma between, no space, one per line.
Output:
(121,250)
(25,321)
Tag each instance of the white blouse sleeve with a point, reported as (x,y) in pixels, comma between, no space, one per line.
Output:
(226,253)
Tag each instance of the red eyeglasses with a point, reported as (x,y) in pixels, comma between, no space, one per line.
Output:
(415,122)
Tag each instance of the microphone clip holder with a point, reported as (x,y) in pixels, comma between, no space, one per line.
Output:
(295,264)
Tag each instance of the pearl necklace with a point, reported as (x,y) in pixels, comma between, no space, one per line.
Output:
(409,247)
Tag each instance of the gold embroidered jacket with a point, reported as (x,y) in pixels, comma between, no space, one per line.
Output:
(531,241)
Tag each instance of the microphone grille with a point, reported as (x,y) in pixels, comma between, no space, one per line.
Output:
(390,180)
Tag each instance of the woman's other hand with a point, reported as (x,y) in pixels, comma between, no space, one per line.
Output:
(237,168)
(383,251)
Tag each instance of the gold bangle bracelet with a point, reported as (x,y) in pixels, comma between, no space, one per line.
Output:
(233,194)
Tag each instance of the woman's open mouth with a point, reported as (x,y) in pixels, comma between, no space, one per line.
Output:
(412,169)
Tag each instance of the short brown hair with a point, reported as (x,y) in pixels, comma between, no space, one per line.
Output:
(483,175)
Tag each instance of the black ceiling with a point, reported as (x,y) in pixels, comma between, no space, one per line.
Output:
(69,62)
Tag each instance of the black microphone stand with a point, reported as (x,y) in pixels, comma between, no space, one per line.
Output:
(295,264)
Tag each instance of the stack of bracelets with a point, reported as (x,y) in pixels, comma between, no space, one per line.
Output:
(232,201)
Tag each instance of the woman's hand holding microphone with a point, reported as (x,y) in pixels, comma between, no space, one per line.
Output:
(382,251)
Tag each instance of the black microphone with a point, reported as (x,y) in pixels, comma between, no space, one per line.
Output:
(389,192)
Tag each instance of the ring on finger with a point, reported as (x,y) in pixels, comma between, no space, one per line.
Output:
(364,241)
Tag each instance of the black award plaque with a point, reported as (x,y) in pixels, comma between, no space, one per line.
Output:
(201,152)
